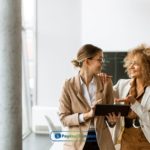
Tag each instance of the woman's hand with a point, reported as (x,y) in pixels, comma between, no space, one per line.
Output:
(104,77)
(128,99)
(91,113)
(112,118)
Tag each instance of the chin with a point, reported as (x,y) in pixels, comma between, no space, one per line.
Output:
(133,76)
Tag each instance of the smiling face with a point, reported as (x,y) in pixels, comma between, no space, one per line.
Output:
(135,67)
(137,63)
(95,63)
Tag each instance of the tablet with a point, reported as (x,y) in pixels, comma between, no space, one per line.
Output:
(104,109)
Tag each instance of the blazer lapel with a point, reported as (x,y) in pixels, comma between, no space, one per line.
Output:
(100,88)
(79,91)
(126,90)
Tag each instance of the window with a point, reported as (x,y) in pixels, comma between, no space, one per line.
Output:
(28,63)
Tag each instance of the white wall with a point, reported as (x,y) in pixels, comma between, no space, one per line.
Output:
(63,25)
(58,37)
(115,24)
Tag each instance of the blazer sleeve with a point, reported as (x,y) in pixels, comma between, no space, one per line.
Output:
(142,112)
(67,117)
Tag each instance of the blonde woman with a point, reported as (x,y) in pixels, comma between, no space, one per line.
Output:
(79,96)
(134,130)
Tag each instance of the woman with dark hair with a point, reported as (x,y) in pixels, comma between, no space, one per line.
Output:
(79,96)
(133,131)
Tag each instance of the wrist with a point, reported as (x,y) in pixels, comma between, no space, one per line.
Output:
(87,116)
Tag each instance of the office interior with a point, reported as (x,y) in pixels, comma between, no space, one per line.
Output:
(52,31)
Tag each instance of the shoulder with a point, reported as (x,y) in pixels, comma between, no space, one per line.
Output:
(121,84)
(123,81)
(100,80)
(70,82)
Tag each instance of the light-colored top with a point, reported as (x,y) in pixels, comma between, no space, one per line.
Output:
(89,94)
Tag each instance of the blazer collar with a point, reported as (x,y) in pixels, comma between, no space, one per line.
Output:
(77,83)
(126,90)
(79,89)
(100,86)
(97,80)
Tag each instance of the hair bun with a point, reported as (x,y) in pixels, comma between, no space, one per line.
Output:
(76,63)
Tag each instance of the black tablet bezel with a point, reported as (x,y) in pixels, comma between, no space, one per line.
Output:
(105,109)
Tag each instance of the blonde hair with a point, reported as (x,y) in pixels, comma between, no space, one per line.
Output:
(143,52)
(86,51)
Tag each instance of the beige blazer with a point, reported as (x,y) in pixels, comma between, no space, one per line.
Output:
(121,90)
(72,103)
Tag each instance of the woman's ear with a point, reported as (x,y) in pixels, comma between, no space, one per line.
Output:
(87,62)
